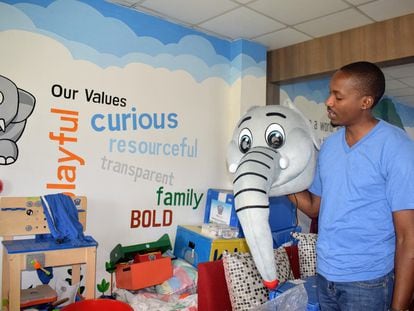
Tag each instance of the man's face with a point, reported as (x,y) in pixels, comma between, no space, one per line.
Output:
(345,101)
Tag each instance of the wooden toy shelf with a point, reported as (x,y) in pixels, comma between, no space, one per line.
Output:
(23,216)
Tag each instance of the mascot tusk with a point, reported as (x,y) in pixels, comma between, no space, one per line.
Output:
(272,153)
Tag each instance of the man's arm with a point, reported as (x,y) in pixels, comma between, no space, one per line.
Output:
(404,259)
(307,202)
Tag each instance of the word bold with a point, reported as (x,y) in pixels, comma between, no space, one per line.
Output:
(151,218)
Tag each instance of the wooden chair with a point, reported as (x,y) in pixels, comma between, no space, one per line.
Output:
(23,216)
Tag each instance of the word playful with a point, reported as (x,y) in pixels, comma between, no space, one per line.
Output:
(68,162)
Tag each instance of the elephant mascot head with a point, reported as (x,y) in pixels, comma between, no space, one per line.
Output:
(272,153)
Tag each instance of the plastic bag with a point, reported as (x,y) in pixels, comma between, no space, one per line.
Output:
(294,299)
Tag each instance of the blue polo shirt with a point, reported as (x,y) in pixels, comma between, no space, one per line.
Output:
(360,187)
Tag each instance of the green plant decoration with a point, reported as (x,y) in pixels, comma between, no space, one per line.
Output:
(103,287)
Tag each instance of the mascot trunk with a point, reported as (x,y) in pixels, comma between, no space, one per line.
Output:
(272,153)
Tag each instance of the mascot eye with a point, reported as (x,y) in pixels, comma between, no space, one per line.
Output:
(275,136)
(245,140)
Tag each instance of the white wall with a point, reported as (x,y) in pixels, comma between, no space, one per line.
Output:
(203,91)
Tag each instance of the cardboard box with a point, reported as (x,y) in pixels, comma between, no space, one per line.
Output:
(195,247)
(311,290)
(135,276)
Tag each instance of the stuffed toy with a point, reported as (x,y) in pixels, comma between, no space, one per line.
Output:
(272,153)
(16,105)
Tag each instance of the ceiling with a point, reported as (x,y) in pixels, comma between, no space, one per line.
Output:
(280,23)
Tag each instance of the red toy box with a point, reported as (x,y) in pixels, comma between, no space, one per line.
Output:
(135,276)
(147,257)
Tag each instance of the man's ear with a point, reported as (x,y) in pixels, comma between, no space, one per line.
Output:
(367,102)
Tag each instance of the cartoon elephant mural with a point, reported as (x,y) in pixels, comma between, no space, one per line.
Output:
(16,105)
(272,153)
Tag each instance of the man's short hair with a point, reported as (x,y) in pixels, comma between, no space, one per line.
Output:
(371,80)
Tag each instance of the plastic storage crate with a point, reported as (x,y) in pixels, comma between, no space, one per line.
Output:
(195,247)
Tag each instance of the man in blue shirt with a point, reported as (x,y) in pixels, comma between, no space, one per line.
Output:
(363,192)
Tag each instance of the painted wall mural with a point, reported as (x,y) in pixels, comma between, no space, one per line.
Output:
(310,98)
(16,105)
(130,110)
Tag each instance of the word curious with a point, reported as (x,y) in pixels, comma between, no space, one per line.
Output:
(188,198)
(68,162)
(132,121)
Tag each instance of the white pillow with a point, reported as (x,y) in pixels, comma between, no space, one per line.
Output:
(306,252)
(244,282)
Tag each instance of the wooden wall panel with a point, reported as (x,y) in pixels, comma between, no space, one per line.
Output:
(382,42)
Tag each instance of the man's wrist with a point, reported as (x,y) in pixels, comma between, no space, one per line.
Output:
(394,309)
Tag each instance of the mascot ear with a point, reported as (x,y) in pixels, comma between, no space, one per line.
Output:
(288,103)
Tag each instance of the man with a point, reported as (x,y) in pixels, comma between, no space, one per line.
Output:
(363,192)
